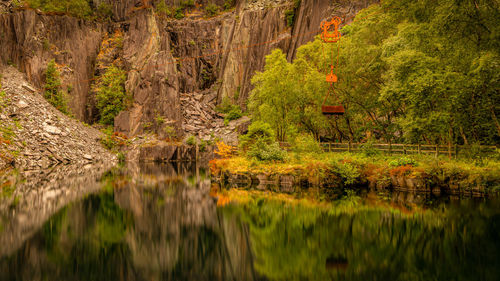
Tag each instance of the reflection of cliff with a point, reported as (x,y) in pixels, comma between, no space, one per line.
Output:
(178,233)
(156,225)
(55,188)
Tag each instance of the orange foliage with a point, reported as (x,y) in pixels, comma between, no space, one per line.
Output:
(214,169)
(223,200)
(2,140)
(224,150)
(402,170)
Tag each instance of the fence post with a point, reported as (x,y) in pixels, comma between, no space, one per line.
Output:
(349,146)
(329,147)
(404,149)
(437,150)
(449,150)
(390,148)
(418,149)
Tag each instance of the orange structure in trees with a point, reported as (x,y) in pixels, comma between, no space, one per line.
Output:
(331,34)
(328,35)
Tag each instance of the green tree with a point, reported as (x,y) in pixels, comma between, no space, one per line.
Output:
(409,71)
(110,94)
(275,95)
(53,90)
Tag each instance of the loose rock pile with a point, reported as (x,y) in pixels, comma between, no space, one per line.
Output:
(201,120)
(38,136)
(262,4)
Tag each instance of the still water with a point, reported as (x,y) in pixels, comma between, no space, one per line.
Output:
(163,222)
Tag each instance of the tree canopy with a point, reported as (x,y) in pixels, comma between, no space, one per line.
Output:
(409,71)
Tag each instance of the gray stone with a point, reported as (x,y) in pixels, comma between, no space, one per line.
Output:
(22,104)
(29,88)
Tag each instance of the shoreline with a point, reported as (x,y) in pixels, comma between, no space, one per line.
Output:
(344,170)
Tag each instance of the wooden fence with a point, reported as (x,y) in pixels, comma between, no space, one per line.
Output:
(450,150)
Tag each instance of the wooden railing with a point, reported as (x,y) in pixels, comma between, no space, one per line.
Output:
(450,150)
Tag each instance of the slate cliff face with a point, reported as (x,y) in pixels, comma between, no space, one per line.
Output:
(163,57)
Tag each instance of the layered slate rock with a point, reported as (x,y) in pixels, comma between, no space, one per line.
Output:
(40,136)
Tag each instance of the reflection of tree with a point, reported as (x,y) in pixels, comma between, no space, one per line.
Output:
(302,243)
(154,225)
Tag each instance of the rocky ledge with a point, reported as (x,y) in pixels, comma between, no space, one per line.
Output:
(34,135)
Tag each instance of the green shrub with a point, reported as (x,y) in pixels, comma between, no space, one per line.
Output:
(369,150)
(225,106)
(77,8)
(263,151)
(110,94)
(290,17)
(187,4)
(162,8)
(2,96)
(475,153)
(256,131)
(191,140)
(104,11)
(211,10)
(108,141)
(179,13)
(234,114)
(53,90)
(228,4)
(203,145)
(305,143)
(290,14)
(170,132)
(159,119)
(403,161)
(348,172)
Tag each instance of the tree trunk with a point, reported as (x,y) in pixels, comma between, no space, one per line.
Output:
(494,117)
(463,135)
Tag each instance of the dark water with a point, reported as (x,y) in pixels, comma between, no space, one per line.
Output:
(170,223)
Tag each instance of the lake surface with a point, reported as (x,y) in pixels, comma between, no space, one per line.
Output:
(169,222)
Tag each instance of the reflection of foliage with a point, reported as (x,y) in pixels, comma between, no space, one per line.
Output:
(98,249)
(300,242)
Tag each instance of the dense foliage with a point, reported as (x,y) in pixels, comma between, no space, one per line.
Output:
(111,96)
(409,71)
(78,8)
(53,89)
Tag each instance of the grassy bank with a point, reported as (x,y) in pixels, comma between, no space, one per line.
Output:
(379,171)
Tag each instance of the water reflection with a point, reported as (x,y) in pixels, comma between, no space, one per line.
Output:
(166,222)
(150,222)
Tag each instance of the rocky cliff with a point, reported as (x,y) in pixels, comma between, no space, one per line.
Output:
(163,57)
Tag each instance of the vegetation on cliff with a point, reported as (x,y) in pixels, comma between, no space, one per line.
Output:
(53,88)
(409,71)
(111,96)
(77,8)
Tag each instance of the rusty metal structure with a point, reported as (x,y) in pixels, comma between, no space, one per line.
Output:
(331,34)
